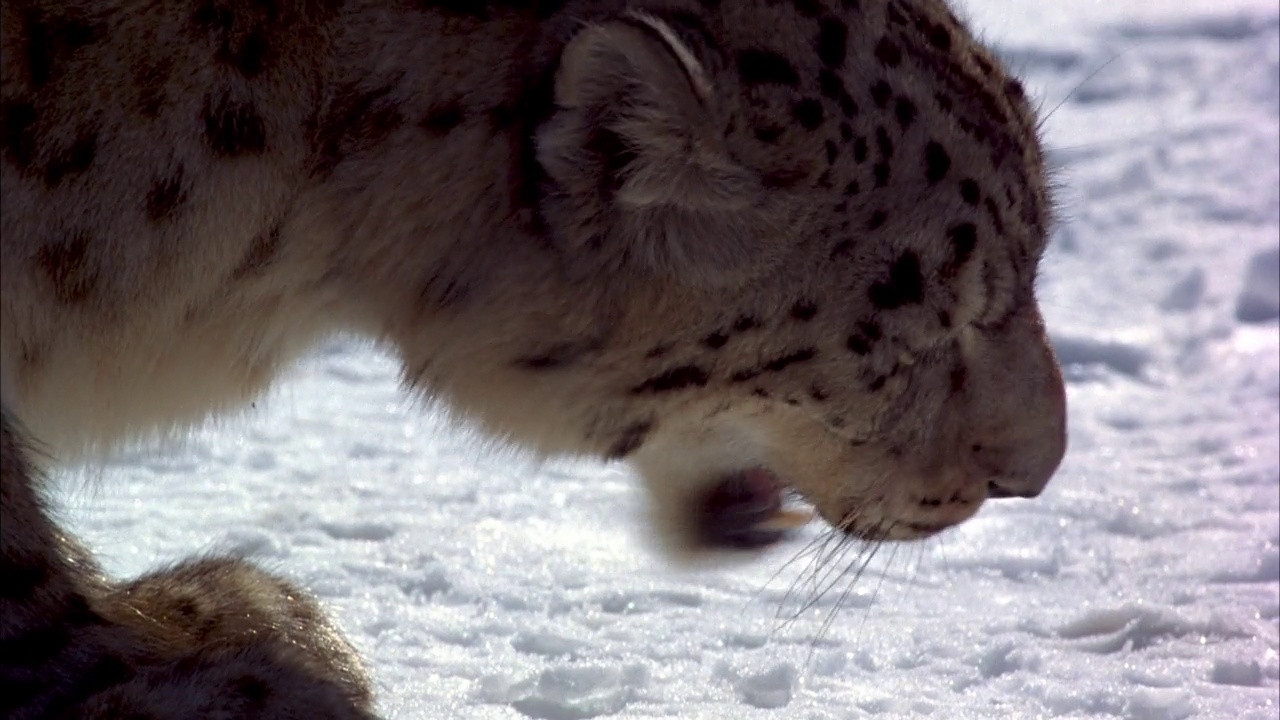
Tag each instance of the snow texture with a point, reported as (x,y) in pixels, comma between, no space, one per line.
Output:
(1145,583)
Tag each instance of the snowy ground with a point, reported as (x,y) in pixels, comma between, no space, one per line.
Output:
(1144,584)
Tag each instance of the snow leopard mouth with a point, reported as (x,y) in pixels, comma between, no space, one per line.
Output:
(745,511)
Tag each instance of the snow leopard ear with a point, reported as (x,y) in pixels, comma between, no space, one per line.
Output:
(635,151)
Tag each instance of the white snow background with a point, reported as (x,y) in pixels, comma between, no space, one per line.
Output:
(1145,582)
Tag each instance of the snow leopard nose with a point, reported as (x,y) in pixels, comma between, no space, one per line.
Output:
(1023,451)
(1022,473)
(1006,479)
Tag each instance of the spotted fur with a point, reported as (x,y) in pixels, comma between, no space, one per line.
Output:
(702,237)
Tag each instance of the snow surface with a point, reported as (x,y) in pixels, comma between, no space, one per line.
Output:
(1144,584)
